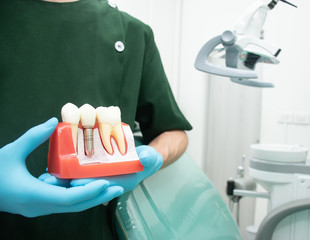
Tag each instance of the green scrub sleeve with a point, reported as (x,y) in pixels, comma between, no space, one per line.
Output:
(157,109)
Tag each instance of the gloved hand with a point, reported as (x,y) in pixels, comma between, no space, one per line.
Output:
(149,158)
(21,193)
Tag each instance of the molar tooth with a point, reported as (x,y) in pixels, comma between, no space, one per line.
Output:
(88,120)
(71,114)
(109,119)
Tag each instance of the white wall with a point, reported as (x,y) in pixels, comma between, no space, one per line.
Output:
(288,28)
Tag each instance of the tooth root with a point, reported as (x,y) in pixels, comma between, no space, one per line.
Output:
(118,133)
(74,128)
(105,130)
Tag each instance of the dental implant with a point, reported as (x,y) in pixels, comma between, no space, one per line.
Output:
(88,119)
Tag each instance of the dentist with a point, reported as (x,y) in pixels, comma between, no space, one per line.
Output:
(86,51)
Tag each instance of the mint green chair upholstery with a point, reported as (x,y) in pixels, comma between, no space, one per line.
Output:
(178,202)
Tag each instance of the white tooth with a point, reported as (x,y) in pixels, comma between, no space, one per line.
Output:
(110,115)
(88,119)
(109,119)
(71,114)
(88,116)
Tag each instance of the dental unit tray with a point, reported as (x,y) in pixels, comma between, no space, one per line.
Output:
(65,162)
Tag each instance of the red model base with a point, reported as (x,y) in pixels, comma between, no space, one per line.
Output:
(64,163)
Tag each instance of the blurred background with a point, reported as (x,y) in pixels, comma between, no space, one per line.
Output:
(227,117)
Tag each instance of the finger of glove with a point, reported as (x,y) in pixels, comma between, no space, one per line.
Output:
(82,181)
(35,137)
(127,181)
(50,179)
(151,160)
(148,171)
(149,157)
(55,196)
(54,199)
(105,196)
(87,192)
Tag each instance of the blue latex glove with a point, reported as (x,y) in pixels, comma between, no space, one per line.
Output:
(21,193)
(149,158)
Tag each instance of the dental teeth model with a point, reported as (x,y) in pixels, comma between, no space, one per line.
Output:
(109,119)
(105,146)
(71,114)
(109,123)
(88,119)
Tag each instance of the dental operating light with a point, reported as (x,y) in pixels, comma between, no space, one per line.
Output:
(243,48)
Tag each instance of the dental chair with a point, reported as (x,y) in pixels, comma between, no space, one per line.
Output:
(178,202)
(274,218)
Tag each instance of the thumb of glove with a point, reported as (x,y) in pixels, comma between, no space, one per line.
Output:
(34,137)
(149,157)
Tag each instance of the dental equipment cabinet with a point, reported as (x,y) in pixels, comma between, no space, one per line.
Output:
(281,169)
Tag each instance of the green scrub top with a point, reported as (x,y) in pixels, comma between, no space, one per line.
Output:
(80,52)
